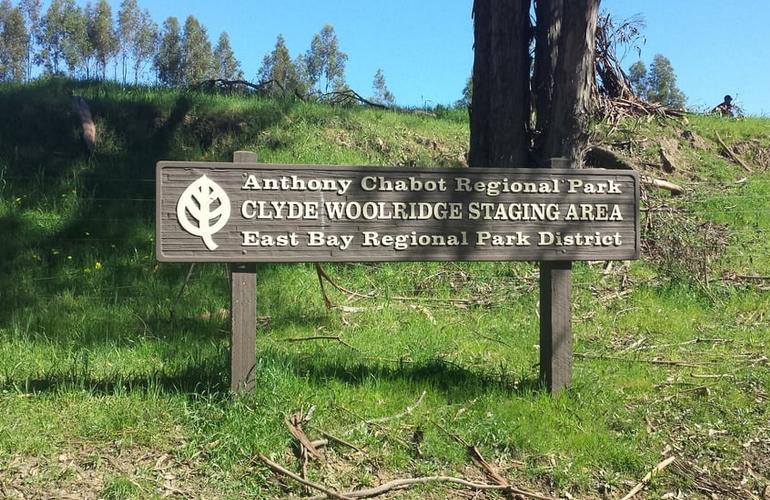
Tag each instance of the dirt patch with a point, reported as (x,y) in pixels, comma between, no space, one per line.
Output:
(753,152)
(95,472)
(696,141)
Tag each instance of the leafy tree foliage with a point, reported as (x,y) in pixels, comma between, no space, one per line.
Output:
(128,27)
(325,61)
(5,13)
(145,42)
(196,52)
(83,41)
(227,66)
(102,35)
(76,45)
(467,96)
(382,95)
(52,34)
(280,71)
(662,83)
(31,10)
(14,41)
(168,59)
(637,76)
(658,84)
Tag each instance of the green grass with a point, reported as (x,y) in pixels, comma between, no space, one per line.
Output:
(103,392)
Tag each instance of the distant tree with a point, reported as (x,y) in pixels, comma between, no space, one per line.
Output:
(325,61)
(303,76)
(52,33)
(5,13)
(382,95)
(637,76)
(128,27)
(31,10)
(227,66)
(467,96)
(14,41)
(145,42)
(661,83)
(278,68)
(76,43)
(168,60)
(103,36)
(196,52)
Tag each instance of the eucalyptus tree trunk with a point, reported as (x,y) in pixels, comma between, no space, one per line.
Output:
(569,29)
(522,111)
(500,107)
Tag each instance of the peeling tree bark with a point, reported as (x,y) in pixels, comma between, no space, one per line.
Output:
(559,92)
(500,108)
(569,110)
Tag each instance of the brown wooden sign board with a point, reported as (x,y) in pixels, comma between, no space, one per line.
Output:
(249,212)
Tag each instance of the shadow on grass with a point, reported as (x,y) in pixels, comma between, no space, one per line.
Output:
(210,376)
(43,161)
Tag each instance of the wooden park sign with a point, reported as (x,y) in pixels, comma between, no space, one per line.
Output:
(243,212)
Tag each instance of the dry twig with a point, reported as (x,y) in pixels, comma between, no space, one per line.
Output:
(319,337)
(281,470)
(408,410)
(630,360)
(400,484)
(732,154)
(646,479)
(294,423)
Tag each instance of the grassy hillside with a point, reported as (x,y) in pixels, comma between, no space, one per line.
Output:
(104,392)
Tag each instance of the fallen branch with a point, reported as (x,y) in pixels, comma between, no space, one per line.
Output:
(348,96)
(629,360)
(646,479)
(696,340)
(319,337)
(320,272)
(675,189)
(490,471)
(399,484)
(281,470)
(408,410)
(732,154)
(332,437)
(294,423)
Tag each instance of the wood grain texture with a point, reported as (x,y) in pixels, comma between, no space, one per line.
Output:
(555,325)
(174,244)
(243,315)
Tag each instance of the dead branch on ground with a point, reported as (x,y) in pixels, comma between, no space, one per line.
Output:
(282,470)
(347,97)
(733,156)
(665,362)
(647,478)
(675,189)
(319,337)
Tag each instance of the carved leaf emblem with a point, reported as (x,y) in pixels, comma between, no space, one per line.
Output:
(203,209)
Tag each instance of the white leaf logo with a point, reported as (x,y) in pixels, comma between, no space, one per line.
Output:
(198,212)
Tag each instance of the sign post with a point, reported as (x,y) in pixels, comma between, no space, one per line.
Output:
(243,212)
(243,313)
(556,316)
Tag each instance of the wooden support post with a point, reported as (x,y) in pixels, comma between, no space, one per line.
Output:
(556,316)
(555,325)
(243,314)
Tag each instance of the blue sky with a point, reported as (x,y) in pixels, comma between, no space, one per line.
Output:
(425,46)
